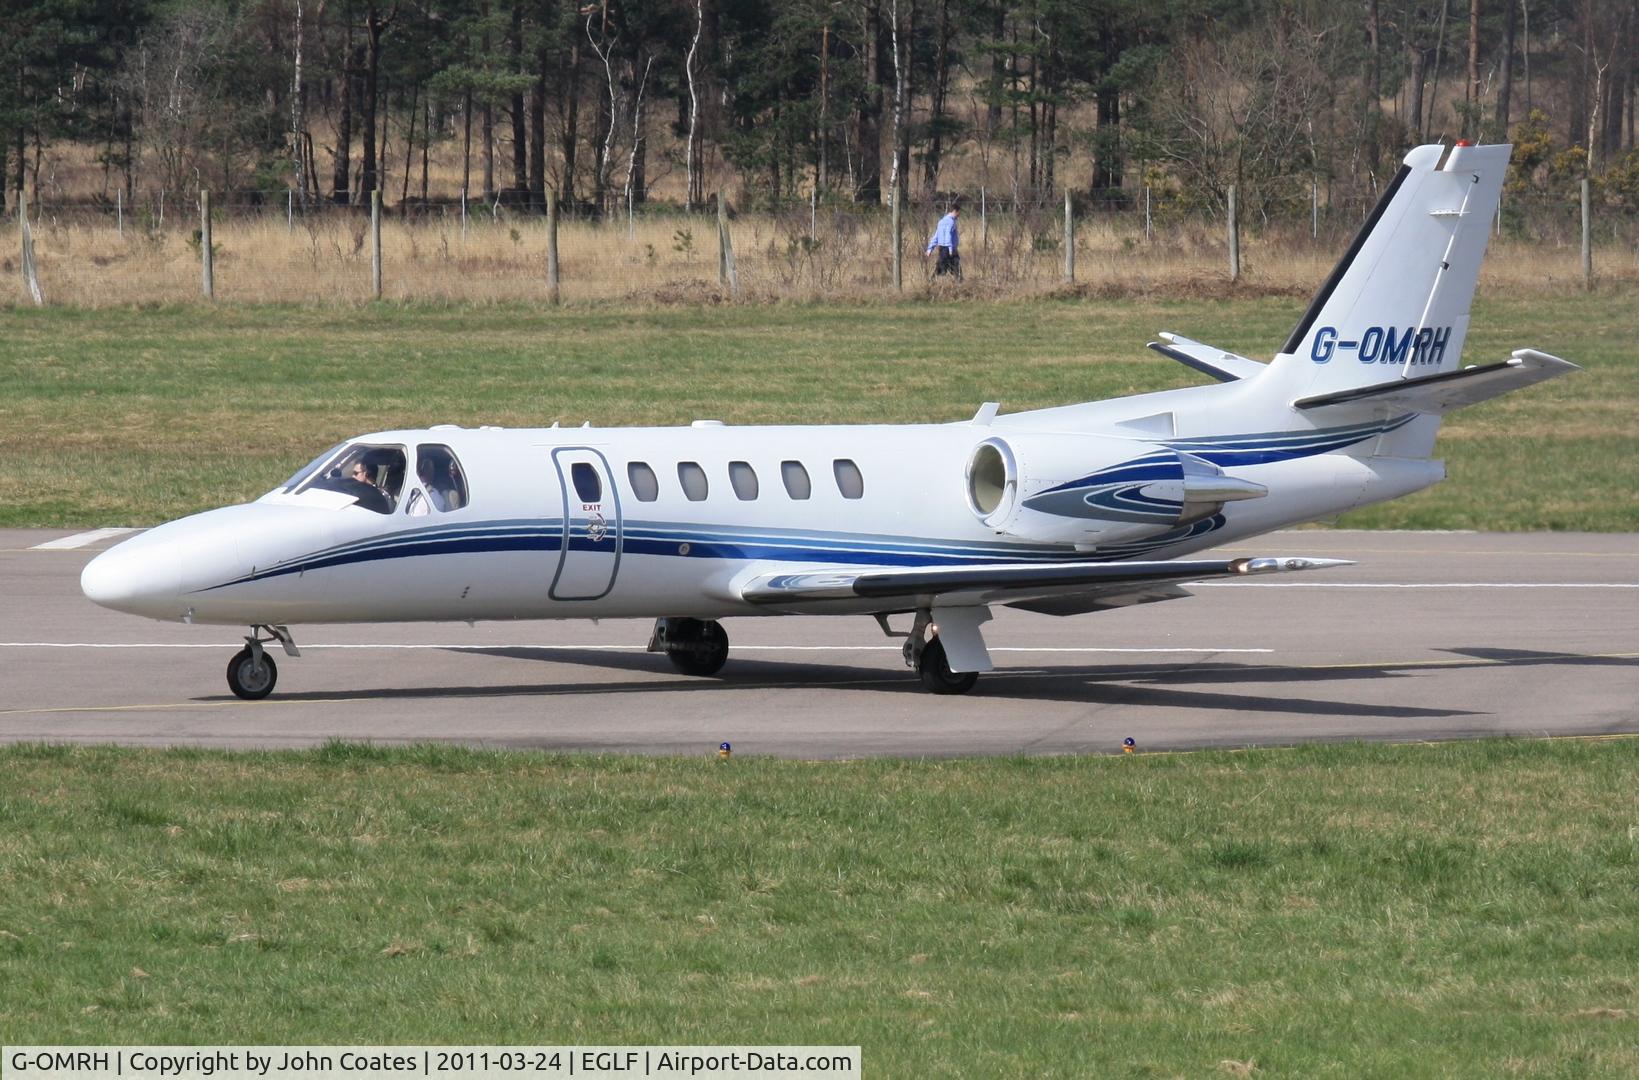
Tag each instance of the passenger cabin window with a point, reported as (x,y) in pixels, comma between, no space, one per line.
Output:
(442,486)
(645,484)
(372,475)
(744,480)
(693,479)
(797,484)
(588,487)
(849,480)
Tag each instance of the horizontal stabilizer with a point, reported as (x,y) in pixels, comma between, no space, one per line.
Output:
(1452,389)
(1221,365)
(1003,582)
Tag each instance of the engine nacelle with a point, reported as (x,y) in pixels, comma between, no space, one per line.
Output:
(1093,489)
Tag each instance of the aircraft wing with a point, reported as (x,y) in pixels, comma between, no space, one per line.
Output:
(1452,389)
(1221,365)
(1090,584)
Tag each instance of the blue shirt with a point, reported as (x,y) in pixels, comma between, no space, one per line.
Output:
(945,235)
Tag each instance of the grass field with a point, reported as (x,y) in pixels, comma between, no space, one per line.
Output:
(1453,910)
(840,254)
(128,416)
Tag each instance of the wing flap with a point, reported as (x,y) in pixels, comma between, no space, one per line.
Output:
(1002,583)
(1221,365)
(1451,389)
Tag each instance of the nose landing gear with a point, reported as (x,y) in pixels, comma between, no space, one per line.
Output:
(252,672)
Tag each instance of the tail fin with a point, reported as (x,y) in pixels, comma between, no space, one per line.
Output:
(1397,304)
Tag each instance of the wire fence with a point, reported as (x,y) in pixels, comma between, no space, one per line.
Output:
(262,250)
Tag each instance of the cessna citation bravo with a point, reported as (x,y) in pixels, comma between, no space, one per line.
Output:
(1061,511)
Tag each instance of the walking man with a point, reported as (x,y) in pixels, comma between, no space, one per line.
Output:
(946,239)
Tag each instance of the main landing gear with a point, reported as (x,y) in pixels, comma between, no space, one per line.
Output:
(252,672)
(924,652)
(694,646)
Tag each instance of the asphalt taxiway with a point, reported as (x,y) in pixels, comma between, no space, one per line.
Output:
(1430,636)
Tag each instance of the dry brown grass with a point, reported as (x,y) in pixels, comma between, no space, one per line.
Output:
(673,259)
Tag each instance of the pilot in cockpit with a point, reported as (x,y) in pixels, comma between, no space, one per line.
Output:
(361,484)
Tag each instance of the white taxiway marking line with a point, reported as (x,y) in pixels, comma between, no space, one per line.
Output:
(598,648)
(1412,585)
(79,540)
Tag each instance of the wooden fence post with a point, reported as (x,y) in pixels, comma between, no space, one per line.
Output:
(726,272)
(31,276)
(1234,238)
(207,275)
(898,244)
(1069,239)
(1587,237)
(552,294)
(375,244)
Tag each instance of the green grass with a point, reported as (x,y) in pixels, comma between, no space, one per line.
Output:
(1453,910)
(131,416)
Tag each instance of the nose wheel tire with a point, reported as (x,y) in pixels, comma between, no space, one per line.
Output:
(696,646)
(935,672)
(251,675)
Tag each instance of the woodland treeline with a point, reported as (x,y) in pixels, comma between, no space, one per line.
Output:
(617,102)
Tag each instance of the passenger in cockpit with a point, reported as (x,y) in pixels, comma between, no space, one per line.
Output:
(428,473)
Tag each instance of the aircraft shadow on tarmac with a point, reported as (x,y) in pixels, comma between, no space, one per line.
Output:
(1148,686)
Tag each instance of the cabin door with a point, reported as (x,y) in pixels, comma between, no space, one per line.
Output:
(590,555)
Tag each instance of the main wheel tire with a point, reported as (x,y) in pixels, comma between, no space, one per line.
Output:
(935,671)
(251,680)
(697,647)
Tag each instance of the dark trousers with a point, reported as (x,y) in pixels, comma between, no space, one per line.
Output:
(949,263)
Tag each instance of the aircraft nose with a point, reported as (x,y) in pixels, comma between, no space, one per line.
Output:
(136,577)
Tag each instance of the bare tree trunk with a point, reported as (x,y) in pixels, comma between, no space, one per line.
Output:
(936,103)
(426,145)
(466,142)
(520,141)
(489,151)
(1525,49)
(822,163)
(608,122)
(1035,119)
(342,156)
(998,70)
(537,134)
(488,123)
(1471,92)
(375,26)
(409,140)
(898,96)
(868,188)
(634,192)
(693,193)
(1374,86)
(1439,57)
(298,96)
(1419,79)
(1505,70)
(571,127)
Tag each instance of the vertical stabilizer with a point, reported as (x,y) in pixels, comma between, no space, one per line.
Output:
(1397,304)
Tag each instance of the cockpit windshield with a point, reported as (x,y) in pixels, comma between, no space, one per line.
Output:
(373,474)
(309,469)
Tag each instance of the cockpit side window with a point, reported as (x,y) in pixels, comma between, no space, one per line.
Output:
(440,476)
(372,474)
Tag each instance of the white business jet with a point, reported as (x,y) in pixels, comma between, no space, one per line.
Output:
(1061,511)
